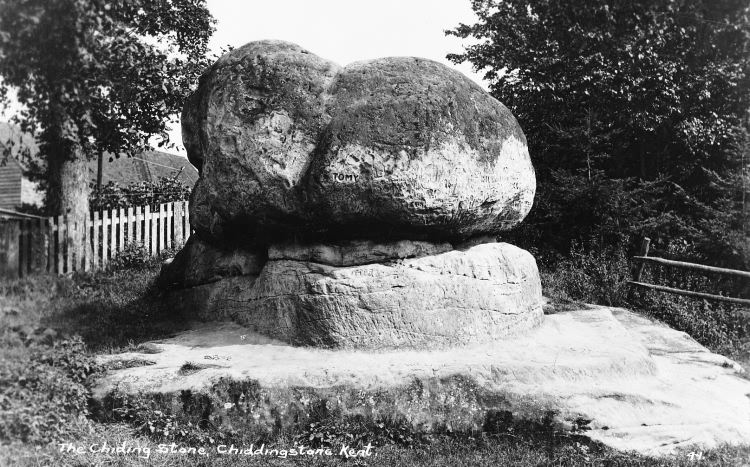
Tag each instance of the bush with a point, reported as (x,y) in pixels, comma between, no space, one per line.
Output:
(600,276)
(724,328)
(113,196)
(42,398)
(589,276)
(134,255)
(152,416)
(570,208)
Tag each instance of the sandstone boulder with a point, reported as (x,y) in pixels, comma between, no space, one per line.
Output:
(481,294)
(251,129)
(293,146)
(201,263)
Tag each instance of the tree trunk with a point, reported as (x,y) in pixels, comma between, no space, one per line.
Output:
(69,195)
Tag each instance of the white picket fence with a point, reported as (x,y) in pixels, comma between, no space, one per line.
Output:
(42,243)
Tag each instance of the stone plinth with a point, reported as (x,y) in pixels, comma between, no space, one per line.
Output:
(644,386)
(405,294)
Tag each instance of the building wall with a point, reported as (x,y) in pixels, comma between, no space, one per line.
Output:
(10,184)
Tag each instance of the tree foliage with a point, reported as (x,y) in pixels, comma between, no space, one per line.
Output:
(165,190)
(98,76)
(635,112)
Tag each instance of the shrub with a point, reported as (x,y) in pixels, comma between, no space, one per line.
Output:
(724,328)
(359,430)
(113,196)
(152,416)
(600,276)
(592,276)
(133,255)
(41,398)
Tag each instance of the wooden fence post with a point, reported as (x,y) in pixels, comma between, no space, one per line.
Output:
(162,223)
(60,244)
(95,253)
(129,234)
(46,239)
(42,244)
(147,228)
(87,248)
(38,250)
(23,247)
(644,252)
(68,249)
(169,223)
(177,223)
(188,229)
(105,241)
(113,234)
(77,253)
(138,216)
(121,229)
(154,234)
(9,235)
(51,244)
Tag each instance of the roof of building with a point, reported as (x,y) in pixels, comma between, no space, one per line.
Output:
(148,166)
(11,214)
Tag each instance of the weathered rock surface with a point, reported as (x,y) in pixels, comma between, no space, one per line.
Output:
(355,252)
(290,144)
(213,301)
(251,129)
(201,263)
(332,168)
(645,386)
(486,292)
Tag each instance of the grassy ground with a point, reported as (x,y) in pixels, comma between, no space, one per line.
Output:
(46,373)
(449,452)
(601,278)
(112,312)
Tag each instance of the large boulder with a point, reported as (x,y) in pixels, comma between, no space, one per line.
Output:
(293,146)
(479,294)
(251,129)
(200,263)
(356,206)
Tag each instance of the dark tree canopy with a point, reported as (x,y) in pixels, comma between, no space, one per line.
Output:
(624,95)
(666,80)
(98,76)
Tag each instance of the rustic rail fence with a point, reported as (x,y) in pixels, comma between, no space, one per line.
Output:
(30,244)
(644,259)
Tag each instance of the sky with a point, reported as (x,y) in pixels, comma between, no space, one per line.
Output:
(345,31)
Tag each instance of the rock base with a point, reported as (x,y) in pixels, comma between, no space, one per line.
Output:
(400,295)
(644,386)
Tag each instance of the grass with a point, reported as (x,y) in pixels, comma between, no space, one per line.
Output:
(601,278)
(117,311)
(113,312)
(487,451)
